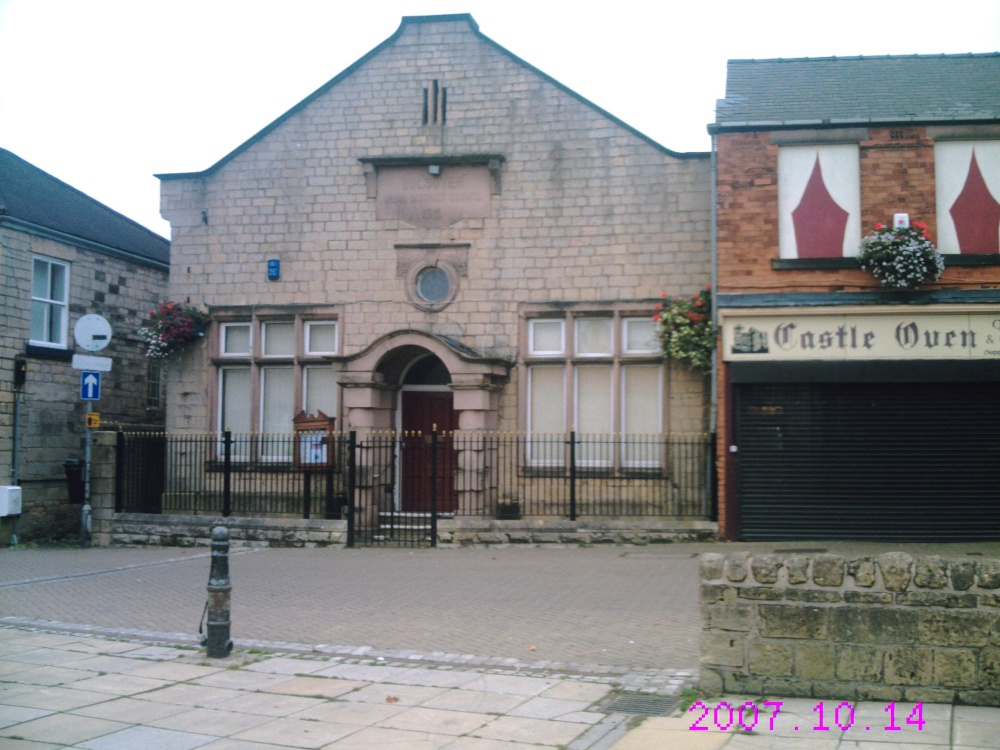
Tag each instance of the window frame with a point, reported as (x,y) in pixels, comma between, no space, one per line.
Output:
(560,352)
(570,362)
(50,303)
(843,186)
(223,334)
(257,363)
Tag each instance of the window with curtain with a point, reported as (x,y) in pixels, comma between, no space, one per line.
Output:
(600,376)
(270,369)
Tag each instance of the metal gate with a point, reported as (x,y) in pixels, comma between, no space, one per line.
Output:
(876,460)
(400,485)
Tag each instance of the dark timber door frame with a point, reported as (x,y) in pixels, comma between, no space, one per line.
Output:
(422,410)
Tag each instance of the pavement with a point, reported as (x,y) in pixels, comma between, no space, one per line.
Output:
(475,648)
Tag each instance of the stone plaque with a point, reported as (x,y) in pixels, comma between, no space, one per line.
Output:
(418,197)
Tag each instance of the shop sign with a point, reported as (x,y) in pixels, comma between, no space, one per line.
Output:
(897,336)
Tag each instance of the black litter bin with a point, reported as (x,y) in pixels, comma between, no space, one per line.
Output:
(74,479)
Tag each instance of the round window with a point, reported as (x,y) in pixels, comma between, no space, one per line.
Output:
(433,284)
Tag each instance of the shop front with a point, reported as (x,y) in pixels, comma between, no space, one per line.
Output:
(861,422)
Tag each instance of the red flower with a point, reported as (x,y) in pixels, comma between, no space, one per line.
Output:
(657,317)
(920,225)
(699,303)
(708,287)
(657,306)
(879,226)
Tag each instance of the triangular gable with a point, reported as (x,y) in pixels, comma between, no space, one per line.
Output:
(408,21)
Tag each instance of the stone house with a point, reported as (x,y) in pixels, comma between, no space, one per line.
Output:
(442,235)
(848,409)
(66,255)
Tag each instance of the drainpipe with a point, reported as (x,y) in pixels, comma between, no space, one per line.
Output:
(710,464)
(714,276)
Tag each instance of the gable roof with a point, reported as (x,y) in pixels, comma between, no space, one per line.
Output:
(825,91)
(34,201)
(465,18)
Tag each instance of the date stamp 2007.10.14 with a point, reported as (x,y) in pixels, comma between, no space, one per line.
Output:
(750,717)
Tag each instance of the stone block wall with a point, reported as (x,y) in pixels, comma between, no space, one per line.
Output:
(584,211)
(886,627)
(51,417)
(141,530)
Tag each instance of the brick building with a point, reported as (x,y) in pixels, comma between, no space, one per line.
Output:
(455,239)
(847,409)
(66,255)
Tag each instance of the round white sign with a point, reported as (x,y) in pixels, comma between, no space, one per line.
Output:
(92,332)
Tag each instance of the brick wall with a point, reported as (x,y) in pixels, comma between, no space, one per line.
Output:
(897,175)
(886,627)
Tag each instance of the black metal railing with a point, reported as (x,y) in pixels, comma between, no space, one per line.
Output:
(497,475)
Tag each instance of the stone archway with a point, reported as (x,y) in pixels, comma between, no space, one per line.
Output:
(380,382)
(372,379)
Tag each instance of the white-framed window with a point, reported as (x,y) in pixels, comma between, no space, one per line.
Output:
(235,340)
(599,374)
(278,338)
(321,337)
(593,337)
(269,369)
(49,302)
(546,337)
(639,336)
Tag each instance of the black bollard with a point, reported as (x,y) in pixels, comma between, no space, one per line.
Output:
(218,643)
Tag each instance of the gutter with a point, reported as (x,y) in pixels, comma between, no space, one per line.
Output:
(85,244)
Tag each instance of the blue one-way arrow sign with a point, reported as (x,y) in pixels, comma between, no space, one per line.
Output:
(90,385)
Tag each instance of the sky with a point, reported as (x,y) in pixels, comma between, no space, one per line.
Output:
(103,94)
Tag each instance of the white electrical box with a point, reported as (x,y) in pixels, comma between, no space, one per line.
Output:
(10,501)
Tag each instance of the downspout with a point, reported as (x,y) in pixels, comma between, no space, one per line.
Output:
(711,467)
(714,277)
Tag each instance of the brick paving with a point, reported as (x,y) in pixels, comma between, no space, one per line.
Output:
(622,606)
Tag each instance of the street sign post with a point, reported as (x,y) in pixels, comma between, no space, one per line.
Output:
(92,333)
(88,362)
(90,385)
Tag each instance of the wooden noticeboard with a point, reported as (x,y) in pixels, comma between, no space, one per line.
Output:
(314,444)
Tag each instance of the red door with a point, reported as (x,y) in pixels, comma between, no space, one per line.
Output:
(422,411)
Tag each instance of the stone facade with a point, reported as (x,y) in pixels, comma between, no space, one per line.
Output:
(438,151)
(51,416)
(885,627)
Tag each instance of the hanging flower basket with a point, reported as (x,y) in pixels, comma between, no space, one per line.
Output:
(171,326)
(902,257)
(684,326)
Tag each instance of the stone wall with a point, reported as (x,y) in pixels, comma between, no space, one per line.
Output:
(141,529)
(583,212)
(51,418)
(887,627)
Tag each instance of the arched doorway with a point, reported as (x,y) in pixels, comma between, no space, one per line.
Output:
(427,419)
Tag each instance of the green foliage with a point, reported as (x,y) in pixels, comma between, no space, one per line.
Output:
(901,258)
(686,331)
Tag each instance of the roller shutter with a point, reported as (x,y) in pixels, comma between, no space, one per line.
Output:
(911,461)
